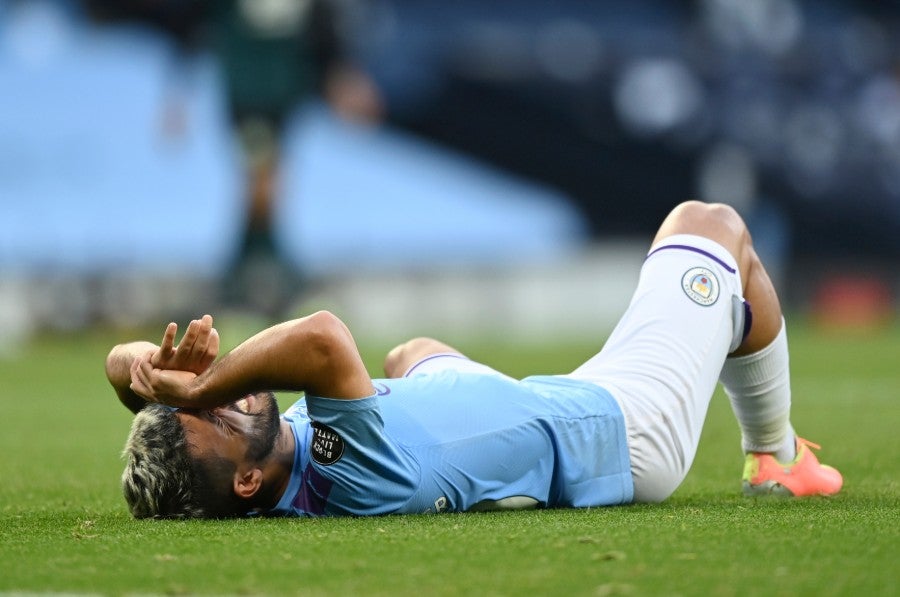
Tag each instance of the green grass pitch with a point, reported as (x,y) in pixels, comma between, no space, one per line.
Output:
(64,528)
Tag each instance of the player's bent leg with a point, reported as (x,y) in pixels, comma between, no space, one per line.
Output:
(427,355)
(756,375)
(402,357)
(664,359)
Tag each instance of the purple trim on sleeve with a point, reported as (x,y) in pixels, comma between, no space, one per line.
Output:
(695,250)
(434,356)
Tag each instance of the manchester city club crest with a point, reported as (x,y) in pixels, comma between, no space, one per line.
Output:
(701,286)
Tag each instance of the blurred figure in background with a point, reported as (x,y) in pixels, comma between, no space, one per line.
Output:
(275,55)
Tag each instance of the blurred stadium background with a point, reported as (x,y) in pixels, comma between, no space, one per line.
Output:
(500,170)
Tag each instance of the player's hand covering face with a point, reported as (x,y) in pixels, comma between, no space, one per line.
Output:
(165,375)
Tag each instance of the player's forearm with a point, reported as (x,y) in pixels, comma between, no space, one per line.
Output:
(307,354)
(118,372)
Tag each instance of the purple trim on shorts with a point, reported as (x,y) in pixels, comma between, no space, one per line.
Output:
(748,320)
(434,356)
(695,250)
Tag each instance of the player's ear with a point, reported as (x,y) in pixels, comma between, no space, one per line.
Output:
(247,483)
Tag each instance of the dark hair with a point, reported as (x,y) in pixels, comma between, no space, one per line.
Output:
(163,480)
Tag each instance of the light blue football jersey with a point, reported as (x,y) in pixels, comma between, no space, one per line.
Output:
(452,441)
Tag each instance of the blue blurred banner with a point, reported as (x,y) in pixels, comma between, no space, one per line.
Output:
(93,178)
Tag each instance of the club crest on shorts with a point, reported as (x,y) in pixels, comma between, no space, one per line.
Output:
(701,286)
(327,446)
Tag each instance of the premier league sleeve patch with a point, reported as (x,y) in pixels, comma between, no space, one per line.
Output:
(327,446)
(701,286)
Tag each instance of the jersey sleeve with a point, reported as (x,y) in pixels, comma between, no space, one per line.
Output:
(363,471)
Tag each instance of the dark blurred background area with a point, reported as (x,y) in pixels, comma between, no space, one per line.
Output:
(600,116)
(786,106)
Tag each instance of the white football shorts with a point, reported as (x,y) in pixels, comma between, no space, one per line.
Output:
(662,361)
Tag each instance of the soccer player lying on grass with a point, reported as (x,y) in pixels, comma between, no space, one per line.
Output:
(443,433)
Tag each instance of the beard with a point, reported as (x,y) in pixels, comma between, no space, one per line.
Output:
(265,429)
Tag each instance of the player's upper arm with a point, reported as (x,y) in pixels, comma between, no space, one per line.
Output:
(337,370)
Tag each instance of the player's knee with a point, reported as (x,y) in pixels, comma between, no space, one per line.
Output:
(717,221)
(393,359)
(696,214)
(400,357)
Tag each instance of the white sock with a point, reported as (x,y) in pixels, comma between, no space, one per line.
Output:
(759,387)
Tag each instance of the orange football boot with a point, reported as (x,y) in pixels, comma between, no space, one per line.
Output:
(803,476)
